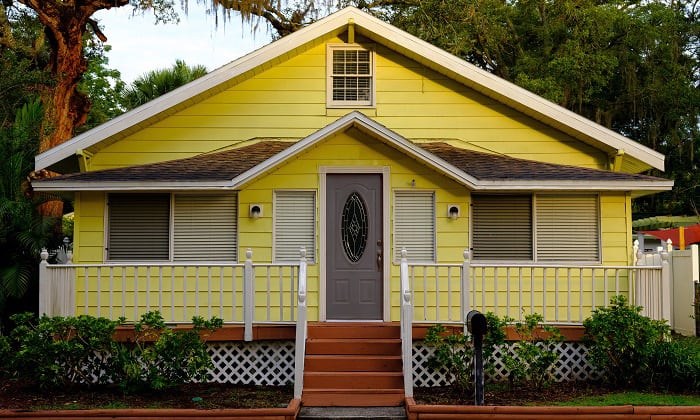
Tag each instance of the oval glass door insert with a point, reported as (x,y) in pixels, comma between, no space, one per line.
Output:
(354,226)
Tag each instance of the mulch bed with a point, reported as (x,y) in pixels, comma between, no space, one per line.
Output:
(24,396)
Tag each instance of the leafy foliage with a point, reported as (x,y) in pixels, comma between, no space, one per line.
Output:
(158,82)
(159,358)
(675,366)
(455,353)
(623,343)
(533,355)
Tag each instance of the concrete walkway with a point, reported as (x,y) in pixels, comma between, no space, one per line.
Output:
(345,413)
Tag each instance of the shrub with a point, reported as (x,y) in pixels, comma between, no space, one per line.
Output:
(5,353)
(675,366)
(455,354)
(64,351)
(622,343)
(533,354)
(159,358)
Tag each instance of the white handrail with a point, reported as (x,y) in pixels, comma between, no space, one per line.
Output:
(300,347)
(406,327)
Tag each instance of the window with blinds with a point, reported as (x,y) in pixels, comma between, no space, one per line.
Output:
(567,228)
(205,227)
(294,225)
(139,227)
(350,75)
(502,227)
(414,225)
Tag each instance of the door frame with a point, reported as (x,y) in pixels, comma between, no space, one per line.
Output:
(385,172)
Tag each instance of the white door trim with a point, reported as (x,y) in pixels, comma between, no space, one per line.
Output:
(385,171)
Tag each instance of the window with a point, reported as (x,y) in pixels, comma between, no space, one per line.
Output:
(203,227)
(350,76)
(536,228)
(414,225)
(294,225)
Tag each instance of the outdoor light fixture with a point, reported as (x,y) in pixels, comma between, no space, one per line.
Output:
(255,211)
(453,211)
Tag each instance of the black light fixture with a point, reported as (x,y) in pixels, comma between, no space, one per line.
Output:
(453,211)
(255,211)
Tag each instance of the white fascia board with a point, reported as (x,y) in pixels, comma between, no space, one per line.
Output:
(65,186)
(524,185)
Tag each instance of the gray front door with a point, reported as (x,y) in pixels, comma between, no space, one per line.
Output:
(354,246)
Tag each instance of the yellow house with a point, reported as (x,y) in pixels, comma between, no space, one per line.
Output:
(293,179)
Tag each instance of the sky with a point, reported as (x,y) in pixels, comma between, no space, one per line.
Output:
(139,45)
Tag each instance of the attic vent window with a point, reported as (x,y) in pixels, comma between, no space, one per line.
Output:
(350,76)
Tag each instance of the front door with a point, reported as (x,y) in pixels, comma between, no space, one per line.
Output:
(354,247)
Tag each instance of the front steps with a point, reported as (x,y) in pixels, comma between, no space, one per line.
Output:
(353,365)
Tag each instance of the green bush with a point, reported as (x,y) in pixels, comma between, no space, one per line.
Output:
(533,354)
(675,366)
(622,343)
(63,351)
(454,352)
(159,357)
(5,353)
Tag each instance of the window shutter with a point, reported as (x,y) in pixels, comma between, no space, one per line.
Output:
(502,227)
(205,227)
(139,226)
(567,228)
(295,225)
(414,225)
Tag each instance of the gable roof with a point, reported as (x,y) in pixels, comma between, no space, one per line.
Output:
(381,32)
(232,169)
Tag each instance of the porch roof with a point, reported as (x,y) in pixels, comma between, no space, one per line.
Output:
(476,170)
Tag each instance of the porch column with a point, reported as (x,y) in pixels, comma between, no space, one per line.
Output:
(248,295)
(406,327)
(466,273)
(300,345)
(44,284)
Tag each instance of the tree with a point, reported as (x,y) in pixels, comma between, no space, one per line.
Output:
(158,82)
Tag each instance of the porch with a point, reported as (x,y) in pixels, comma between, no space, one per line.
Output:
(270,301)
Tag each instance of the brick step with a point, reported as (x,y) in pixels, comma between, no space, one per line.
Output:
(352,397)
(354,330)
(353,380)
(352,363)
(332,346)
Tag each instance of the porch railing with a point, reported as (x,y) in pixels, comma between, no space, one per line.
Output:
(238,293)
(445,293)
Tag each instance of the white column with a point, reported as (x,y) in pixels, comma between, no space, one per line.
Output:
(300,346)
(248,295)
(44,285)
(406,327)
(666,288)
(466,290)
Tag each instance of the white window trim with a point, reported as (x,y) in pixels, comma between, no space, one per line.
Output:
(397,259)
(534,260)
(315,226)
(330,103)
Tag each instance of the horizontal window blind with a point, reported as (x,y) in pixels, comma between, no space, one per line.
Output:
(205,227)
(139,226)
(295,225)
(414,225)
(502,227)
(567,228)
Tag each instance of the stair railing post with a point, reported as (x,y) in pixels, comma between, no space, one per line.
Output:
(301,333)
(44,285)
(466,273)
(248,295)
(406,327)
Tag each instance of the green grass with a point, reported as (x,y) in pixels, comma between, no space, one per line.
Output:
(634,398)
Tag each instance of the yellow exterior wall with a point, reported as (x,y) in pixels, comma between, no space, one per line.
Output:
(288,100)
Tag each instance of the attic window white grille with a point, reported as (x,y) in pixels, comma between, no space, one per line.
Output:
(351,74)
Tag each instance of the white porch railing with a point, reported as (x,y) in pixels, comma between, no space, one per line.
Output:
(178,290)
(445,293)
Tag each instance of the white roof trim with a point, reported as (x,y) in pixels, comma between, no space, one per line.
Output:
(362,122)
(481,80)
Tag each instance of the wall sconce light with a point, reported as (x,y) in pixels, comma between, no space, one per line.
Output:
(413,183)
(453,211)
(255,211)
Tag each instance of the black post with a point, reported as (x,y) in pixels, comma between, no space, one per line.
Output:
(478,369)
(477,326)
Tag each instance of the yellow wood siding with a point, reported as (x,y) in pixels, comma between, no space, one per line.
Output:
(288,100)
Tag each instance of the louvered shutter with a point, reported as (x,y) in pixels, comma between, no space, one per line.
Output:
(502,227)
(139,226)
(205,227)
(414,225)
(567,228)
(295,225)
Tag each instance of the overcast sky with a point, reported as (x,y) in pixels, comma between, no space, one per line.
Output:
(139,45)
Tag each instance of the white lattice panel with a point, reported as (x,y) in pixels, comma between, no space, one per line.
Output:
(256,362)
(572,365)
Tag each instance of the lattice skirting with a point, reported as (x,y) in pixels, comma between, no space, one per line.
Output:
(572,365)
(255,362)
(272,363)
